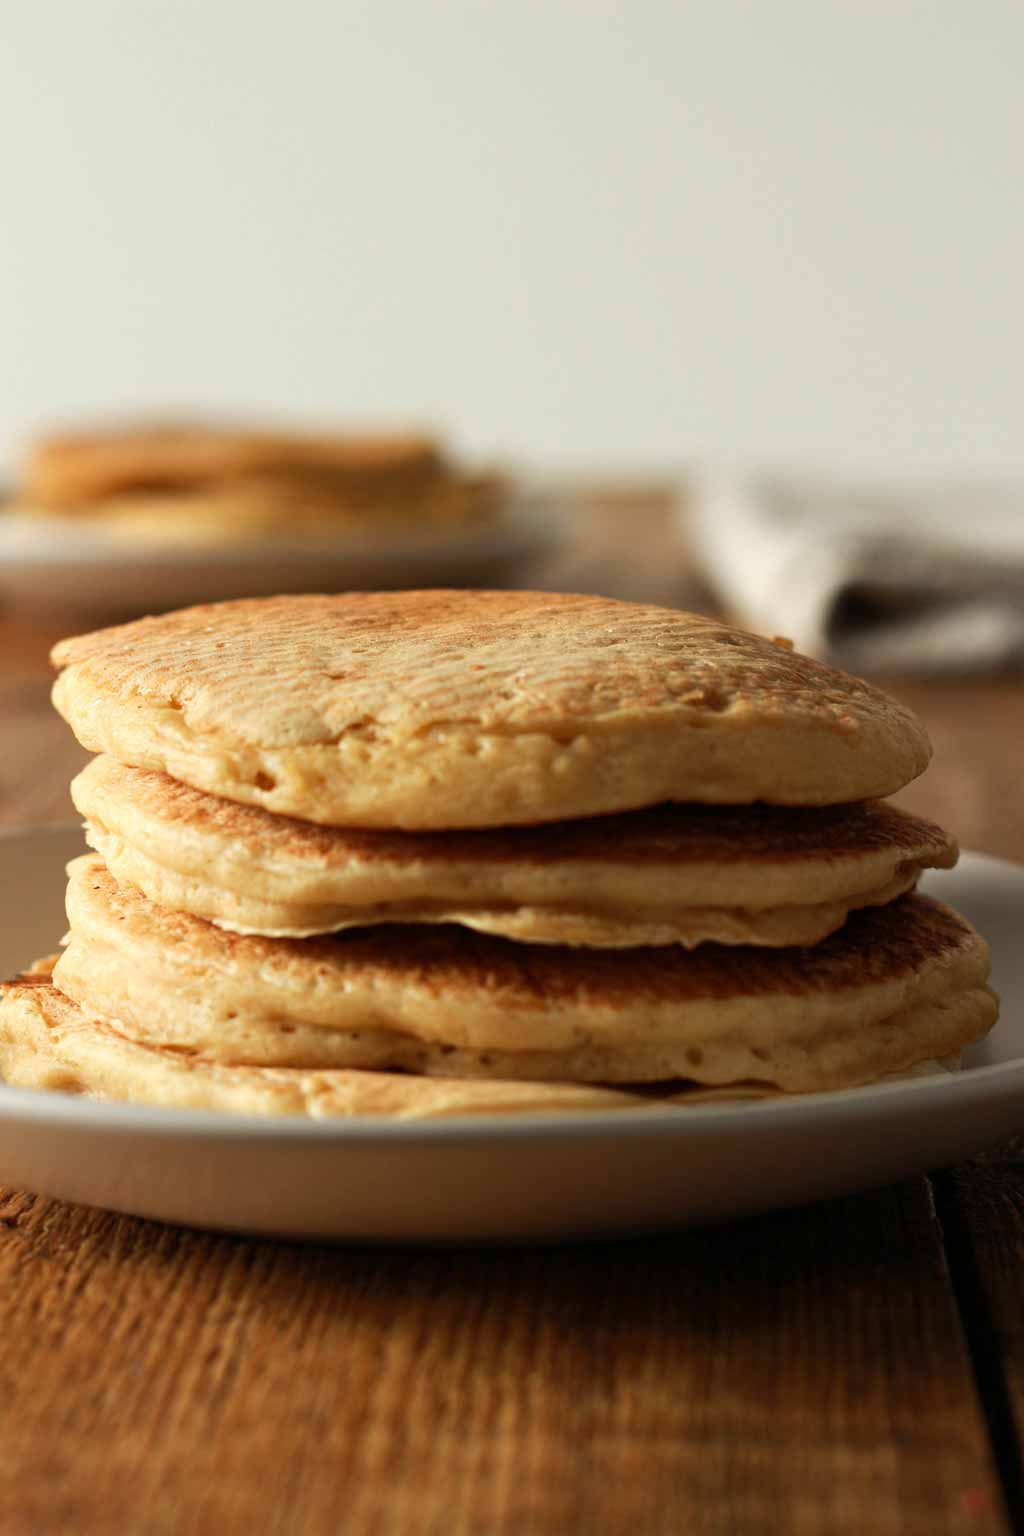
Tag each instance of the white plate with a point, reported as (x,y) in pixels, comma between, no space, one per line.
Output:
(47,561)
(500,1179)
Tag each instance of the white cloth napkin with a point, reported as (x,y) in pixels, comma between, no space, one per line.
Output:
(918,578)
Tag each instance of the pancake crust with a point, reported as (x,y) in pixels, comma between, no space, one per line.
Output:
(663,876)
(427,710)
(896,986)
(47,1042)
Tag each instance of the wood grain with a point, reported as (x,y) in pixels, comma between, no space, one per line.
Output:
(982,1206)
(798,1374)
(973,784)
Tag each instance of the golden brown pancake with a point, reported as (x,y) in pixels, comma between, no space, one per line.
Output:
(207,485)
(896,986)
(432,710)
(669,875)
(79,469)
(48,1042)
(288,512)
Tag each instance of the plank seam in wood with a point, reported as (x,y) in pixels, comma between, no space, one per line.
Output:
(983,1346)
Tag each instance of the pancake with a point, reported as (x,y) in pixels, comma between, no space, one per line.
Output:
(433,710)
(74,470)
(215,486)
(292,510)
(896,986)
(48,1042)
(670,875)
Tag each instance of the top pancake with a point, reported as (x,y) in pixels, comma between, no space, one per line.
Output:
(474,709)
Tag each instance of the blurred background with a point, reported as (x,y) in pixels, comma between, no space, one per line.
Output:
(722,295)
(591,236)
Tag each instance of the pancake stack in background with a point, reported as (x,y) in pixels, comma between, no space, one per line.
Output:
(446,852)
(195,483)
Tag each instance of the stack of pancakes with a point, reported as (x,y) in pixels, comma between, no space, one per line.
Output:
(216,484)
(442,852)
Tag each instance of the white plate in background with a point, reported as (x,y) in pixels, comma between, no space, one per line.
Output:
(49,562)
(494,1178)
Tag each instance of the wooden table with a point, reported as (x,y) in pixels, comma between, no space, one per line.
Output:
(857,1367)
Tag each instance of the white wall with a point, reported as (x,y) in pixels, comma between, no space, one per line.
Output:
(594,234)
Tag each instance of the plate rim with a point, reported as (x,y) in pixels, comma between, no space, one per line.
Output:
(525,518)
